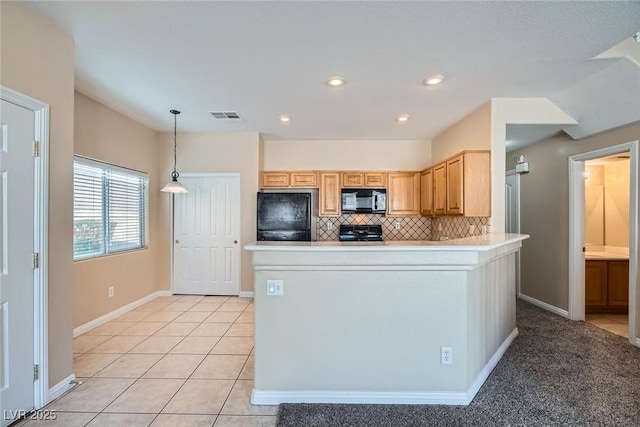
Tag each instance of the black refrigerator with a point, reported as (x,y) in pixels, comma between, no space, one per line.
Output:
(284,216)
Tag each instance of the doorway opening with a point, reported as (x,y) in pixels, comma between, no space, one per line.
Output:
(606,242)
(579,297)
(512,214)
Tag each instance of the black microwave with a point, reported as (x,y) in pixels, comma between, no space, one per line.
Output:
(364,200)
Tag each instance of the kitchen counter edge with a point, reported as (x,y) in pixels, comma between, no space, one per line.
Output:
(474,243)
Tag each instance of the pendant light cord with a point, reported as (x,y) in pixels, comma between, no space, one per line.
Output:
(175,113)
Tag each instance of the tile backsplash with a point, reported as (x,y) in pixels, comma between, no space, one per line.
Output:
(409,227)
(455,227)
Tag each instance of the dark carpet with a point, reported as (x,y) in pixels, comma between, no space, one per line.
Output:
(557,372)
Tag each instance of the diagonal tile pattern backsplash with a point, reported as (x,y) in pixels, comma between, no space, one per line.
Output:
(454,227)
(405,228)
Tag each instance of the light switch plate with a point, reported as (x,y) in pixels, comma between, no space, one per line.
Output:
(275,288)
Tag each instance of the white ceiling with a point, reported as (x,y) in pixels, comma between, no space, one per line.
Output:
(264,59)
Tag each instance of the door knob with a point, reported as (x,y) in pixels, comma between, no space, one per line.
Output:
(235,242)
(177,241)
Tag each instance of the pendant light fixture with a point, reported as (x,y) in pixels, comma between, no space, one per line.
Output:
(174,186)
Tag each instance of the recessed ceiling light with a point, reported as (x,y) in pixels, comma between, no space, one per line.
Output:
(403,118)
(335,81)
(285,119)
(433,80)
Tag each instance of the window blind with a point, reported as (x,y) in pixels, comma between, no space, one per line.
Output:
(109,209)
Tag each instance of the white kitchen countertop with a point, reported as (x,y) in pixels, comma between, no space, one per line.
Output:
(604,256)
(476,243)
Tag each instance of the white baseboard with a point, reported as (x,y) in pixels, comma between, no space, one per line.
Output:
(484,373)
(544,305)
(263,397)
(61,388)
(246,294)
(119,312)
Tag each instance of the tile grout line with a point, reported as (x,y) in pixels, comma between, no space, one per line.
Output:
(168,352)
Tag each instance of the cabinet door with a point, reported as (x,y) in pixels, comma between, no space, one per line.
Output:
(455,181)
(275,179)
(595,273)
(352,179)
(618,283)
(476,193)
(440,189)
(375,179)
(426,192)
(403,194)
(304,179)
(329,194)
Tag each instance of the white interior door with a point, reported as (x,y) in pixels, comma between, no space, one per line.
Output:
(16,260)
(206,258)
(512,214)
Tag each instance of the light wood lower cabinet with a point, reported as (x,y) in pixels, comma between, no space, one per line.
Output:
(329,194)
(618,284)
(606,286)
(403,194)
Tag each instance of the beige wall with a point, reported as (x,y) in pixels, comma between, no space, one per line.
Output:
(210,153)
(506,111)
(616,210)
(37,60)
(103,134)
(544,211)
(594,206)
(471,133)
(346,155)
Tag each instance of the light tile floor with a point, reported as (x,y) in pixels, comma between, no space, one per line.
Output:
(174,361)
(616,323)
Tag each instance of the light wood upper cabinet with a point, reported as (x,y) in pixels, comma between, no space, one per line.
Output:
(284,179)
(364,179)
(403,194)
(304,179)
(455,179)
(375,179)
(440,189)
(353,179)
(329,194)
(467,180)
(275,179)
(426,192)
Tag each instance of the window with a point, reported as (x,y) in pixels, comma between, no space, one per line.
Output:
(109,209)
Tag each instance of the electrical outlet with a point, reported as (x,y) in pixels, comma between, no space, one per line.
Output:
(446,356)
(329,226)
(275,288)
(110,291)
(398,225)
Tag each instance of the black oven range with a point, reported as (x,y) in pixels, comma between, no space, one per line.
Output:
(360,233)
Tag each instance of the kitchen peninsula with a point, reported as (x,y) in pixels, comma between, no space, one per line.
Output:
(367,322)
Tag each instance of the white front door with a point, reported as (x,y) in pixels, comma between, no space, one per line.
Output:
(16,260)
(206,258)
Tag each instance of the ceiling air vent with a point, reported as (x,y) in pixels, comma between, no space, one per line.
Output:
(225,115)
